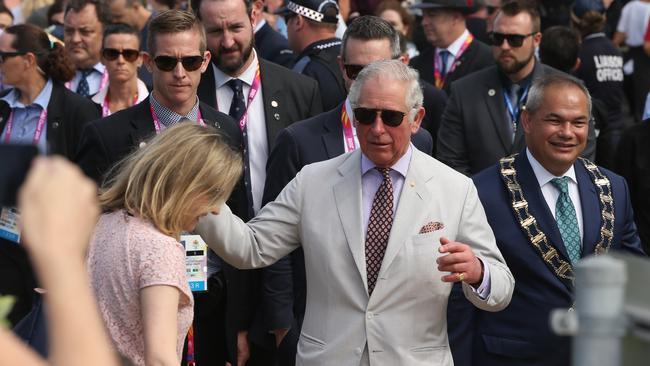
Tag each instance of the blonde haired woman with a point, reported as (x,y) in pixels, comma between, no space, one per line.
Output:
(137,264)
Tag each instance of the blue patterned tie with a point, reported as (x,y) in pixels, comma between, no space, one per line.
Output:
(237,109)
(83,88)
(567,221)
(444,56)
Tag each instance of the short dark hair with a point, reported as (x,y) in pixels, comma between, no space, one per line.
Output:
(370,27)
(514,8)
(120,28)
(174,21)
(102,10)
(559,48)
(196,6)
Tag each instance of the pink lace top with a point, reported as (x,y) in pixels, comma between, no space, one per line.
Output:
(126,255)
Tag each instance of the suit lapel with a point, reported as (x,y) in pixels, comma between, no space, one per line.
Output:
(274,104)
(142,124)
(55,138)
(495,105)
(347,196)
(333,133)
(590,205)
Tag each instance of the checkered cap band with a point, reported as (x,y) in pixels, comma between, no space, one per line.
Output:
(305,12)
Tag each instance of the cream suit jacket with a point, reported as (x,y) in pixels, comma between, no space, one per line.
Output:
(404,321)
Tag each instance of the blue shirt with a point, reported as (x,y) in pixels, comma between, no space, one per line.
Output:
(25,118)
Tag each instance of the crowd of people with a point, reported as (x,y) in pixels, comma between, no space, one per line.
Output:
(316,182)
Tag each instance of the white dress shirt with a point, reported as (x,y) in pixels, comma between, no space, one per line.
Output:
(453,49)
(94,79)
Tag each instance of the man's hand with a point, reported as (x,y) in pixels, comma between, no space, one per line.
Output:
(461,262)
(243,351)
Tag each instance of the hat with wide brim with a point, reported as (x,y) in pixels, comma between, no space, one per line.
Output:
(322,11)
(463,6)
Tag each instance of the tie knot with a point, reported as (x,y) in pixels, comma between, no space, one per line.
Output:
(562,184)
(86,72)
(235,85)
(384,171)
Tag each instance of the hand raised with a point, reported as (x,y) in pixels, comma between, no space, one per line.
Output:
(460,261)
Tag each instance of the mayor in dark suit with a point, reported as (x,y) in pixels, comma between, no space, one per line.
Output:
(39,111)
(481,122)
(453,51)
(328,135)
(548,208)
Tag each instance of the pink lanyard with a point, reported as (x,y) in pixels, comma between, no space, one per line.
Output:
(347,130)
(39,127)
(105,108)
(156,120)
(251,95)
(102,84)
(440,81)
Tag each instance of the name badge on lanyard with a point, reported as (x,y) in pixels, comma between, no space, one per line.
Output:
(196,262)
(9,228)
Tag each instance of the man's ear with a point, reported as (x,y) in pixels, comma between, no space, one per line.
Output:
(256,12)
(525,120)
(148,61)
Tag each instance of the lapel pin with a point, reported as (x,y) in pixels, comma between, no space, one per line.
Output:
(274,104)
(55,124)
(491,92)
(142,144)
(216,124)
(412,184)
(277,116)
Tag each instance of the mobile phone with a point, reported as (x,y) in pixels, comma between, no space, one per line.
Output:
(15,161)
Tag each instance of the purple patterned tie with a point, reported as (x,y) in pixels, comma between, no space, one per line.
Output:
(379,225)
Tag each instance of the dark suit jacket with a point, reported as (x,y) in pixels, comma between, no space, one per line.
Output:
(283,283)
(67,112)
(477,57)
(434,104)
(474,133)
(520,334)
(272,46)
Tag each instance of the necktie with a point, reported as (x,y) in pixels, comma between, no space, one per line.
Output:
(237,109)
(513,95)
(444,56)
(567,222)
(379,225)
(83,88)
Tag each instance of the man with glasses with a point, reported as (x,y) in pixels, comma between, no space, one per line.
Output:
(328,135)
(480,124)
(455,52)
(376,226)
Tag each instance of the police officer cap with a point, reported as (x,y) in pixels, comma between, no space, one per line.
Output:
(463,6)
(323,11)
(580,7)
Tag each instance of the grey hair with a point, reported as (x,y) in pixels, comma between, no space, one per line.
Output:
(537,89)
(393,70)
(369,28)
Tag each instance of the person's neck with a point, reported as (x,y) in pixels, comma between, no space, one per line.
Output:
(181,108)
(122,92)
(244,67)
(30,88)
(523,73)
(88,64)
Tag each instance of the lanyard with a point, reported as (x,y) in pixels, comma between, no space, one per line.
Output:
(39,127)
(347,130)
(251,95)
(105,104)
(440,81)
(156,120)
(513,111)
(190,347)
(102,83)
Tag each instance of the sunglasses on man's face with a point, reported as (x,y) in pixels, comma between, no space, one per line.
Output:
(366,116)
(514,40)
(112,54)
(4,55)
(168,63)
(352,71)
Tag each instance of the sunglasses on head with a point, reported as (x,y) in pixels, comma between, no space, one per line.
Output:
(514,40)
(168,63)
(366,116)
(4,55)
(111,54)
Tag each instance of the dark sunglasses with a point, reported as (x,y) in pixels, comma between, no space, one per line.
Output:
(352,71)
(366,116)
(514,40)
(4,55)
(168,63)
(111,54)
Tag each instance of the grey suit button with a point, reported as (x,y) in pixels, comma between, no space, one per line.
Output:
(55,124)
(358,351)
(277,116)
(370,315)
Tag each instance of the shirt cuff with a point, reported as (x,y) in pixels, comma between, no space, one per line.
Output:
(483,291)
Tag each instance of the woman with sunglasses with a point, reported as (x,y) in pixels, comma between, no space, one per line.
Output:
(38,109)
(121,56)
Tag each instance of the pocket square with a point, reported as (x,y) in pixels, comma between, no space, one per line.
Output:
(432,226)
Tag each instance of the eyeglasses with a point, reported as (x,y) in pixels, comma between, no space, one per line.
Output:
(366,116)
(514,40)
(168,63)
(112,54)
(352,71)
(4,55)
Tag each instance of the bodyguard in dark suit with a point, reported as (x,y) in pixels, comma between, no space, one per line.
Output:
(454,52)
(480,124)
(272,46)
(545,192)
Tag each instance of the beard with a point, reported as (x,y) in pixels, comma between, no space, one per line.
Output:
(513,65)
(232,66)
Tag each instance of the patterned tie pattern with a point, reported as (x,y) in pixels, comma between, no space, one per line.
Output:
(567,222)
(379,225)
(444,56)
(83,88)
(237,109)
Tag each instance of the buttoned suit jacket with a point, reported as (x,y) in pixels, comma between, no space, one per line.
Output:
(67,113)
(474,132)
(521,334)
(476,57)
(403,321)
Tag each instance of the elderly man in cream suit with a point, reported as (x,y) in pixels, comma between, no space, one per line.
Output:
(385,231)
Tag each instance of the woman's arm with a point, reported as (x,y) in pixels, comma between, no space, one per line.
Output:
(159,306)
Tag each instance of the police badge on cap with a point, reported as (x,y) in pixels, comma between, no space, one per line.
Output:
(326,11)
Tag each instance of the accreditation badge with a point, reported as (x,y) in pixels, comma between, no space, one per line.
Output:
(196,262)
(9,228)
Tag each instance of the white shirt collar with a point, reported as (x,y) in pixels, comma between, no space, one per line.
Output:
(259,25)
(455,46)
(247,76)
(544,176)
(401,166)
